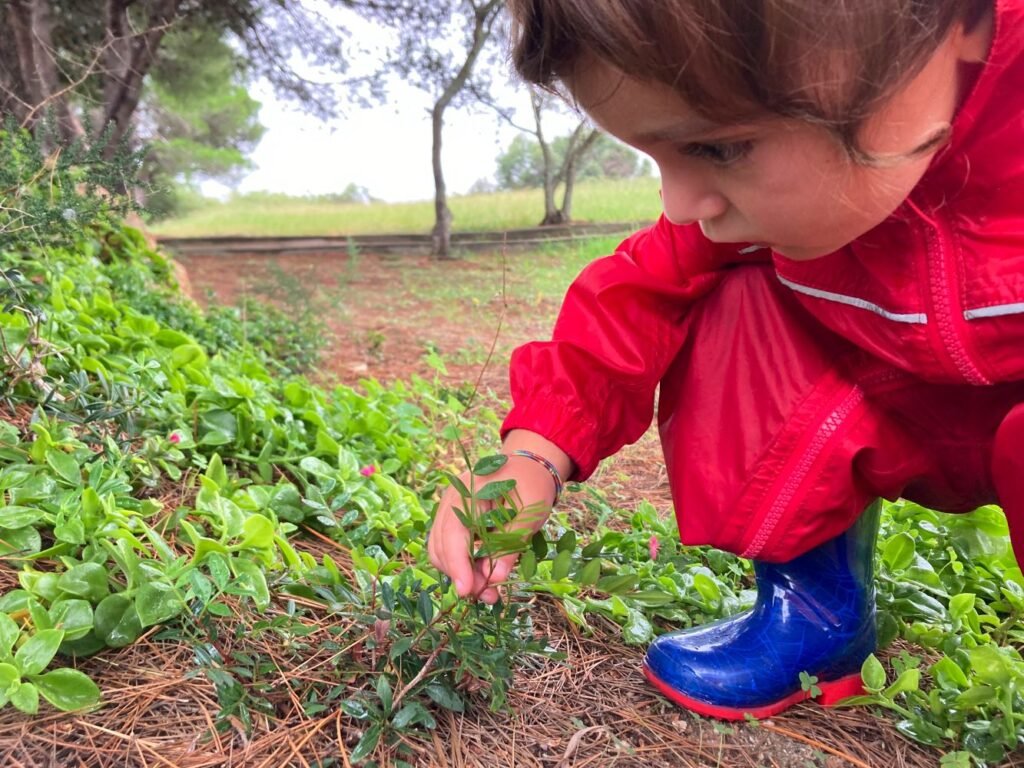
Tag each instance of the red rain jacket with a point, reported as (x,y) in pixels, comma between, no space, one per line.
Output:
(936,290)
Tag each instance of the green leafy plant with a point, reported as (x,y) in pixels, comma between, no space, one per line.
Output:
(23,679)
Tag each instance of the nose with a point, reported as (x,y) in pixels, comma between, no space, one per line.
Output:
(689,198)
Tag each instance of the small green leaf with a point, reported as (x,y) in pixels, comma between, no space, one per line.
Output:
(26,698)
(70,529)
(445,697)
(74,616)
(873,674)
(400,646)
(618,583)
(560,566)
(589,573)
(425,607)
(975,696)
(909,680)
(156,602)
(653,598)
(495,490)
(251,580)
(9,632)
(948,675)
(567,542)
(809,683)
(488,465)
(88,581)
(539,545)
(384,693)
(20,541)
(215,471)
(9,677)
(637,629)
(991,664)
(413,713)
(220,570)
(40,616)
(257,533)
(116,621)
(19,517)
(708,589)
(366,744)
(354,708)
(65,466)
(68,689)
(185,354)
(527,565)
(899,552)
(38,651)
(459,486)
(593,549)
(960,605)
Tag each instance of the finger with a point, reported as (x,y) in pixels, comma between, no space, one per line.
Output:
(488,574)
(449,550)
(483,589)
(491,595)
(502,569)
(480,584)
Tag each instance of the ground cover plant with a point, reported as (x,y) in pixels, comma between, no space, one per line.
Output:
(604,200)
(173,486)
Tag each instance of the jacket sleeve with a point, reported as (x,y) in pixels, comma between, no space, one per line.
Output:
(590,390)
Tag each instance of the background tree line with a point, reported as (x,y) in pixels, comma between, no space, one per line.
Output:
(174,76)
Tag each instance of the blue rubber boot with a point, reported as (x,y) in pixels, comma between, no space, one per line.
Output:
(814,614)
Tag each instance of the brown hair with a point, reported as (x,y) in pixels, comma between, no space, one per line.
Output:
(829,62)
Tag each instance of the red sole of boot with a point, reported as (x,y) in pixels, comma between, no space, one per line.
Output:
(832,692)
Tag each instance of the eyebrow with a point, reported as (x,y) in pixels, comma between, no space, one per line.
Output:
(684,131)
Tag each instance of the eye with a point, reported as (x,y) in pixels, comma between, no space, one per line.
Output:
(720,154)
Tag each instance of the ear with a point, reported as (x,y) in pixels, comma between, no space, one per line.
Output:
(973,43)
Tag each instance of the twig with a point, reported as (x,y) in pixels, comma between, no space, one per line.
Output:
(422,673)
(341,741)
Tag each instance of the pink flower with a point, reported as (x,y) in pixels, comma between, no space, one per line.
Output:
(174,437)
(652,547)
(368,470)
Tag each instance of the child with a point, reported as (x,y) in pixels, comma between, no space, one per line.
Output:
(832,304)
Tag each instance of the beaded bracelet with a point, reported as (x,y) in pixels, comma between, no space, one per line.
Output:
(548,466)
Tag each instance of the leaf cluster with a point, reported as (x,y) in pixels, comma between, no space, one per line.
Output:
(48,196)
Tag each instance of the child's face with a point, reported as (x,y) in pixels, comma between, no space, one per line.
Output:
(781,183)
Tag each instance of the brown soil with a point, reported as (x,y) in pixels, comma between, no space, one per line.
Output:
(593,709)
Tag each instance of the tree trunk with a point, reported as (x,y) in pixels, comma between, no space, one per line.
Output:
(117,43)
(67,121)
(573,153)
(36,88)
(121,97)
(11,100)
(20,19)
(483,19)
(442,233)
(551,214)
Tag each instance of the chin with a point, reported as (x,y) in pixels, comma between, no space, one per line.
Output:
(802,253)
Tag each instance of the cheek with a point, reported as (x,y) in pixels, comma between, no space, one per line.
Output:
(876,193)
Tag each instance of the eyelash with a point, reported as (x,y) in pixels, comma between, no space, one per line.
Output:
(719,154)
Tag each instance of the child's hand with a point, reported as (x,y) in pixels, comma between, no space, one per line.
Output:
(450,545)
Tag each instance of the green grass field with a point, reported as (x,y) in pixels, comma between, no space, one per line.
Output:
(262,214)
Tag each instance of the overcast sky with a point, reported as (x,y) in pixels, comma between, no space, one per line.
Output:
(385,149)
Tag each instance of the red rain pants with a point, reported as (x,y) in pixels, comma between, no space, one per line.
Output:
(777,432)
